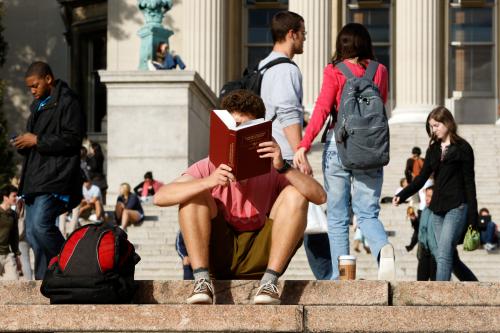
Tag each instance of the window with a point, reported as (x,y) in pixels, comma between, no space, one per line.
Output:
(375,15)
(472,48)
(258,39)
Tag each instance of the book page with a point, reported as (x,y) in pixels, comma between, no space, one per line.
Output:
(226,118)
(230,123)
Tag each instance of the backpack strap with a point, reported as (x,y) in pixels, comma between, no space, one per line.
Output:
(371,70)
(345,70)
(280,60)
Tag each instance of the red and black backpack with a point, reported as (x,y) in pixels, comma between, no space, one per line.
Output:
(96,265)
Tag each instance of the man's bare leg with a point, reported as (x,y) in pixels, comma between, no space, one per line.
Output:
(195,218)
(289,215)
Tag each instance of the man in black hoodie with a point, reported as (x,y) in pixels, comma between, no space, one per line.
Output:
(51,181)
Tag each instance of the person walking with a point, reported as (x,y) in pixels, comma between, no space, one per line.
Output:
(453,204)
(284,105)
(51,181)
(354,53)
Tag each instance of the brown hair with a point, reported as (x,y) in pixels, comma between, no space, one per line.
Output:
(353,41)
(283,22)
(244,101)
(442,115)
(484,210)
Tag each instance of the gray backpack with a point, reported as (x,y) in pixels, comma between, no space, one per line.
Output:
(361,130)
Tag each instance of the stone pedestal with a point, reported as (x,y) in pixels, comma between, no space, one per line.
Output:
(418,60)
(157,121)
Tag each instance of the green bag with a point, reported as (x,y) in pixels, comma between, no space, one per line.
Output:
(472,239)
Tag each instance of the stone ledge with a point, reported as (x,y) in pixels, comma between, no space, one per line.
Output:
(446,293)
(293,292)
(227,292)
(150,318)
(401,319)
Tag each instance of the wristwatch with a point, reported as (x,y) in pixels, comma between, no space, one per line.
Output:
(286,166)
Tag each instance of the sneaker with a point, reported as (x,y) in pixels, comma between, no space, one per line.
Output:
(267,293)
(387,269)
(203,292)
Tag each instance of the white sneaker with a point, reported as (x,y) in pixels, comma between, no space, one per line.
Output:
(387,269)
(203,293)
(267,294)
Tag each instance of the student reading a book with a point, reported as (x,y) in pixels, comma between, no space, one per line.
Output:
(246,229)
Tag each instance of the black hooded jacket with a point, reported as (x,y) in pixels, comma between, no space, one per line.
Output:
(53,165)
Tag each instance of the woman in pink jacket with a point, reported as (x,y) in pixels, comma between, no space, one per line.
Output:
(356,189)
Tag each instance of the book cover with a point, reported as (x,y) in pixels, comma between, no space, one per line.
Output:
(237,146)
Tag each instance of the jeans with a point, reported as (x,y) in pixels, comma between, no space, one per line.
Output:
(448,229)
(318,255)
(41,231)
(365,187)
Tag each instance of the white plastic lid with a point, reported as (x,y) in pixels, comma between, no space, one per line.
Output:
(347,257)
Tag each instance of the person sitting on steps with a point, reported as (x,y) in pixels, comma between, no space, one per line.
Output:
(247,229)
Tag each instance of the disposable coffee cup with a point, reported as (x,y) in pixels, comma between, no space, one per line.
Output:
(347,267)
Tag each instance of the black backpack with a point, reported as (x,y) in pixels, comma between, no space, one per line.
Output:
(96,265)
(252,77)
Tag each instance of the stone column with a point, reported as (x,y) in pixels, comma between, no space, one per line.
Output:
(204,42)
(418,60)
(317,16)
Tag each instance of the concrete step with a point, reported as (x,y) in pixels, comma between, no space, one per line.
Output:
(247,318)
(307,306)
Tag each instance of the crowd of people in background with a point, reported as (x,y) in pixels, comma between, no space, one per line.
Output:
(226,224)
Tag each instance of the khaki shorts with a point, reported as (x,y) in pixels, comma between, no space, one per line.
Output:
(239,255)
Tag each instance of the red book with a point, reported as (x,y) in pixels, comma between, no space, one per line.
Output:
(237,146)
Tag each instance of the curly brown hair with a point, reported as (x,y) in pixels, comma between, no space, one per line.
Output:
(244,101)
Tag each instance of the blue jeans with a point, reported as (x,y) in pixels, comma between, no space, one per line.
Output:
(41,230)
(448,229)
(357,188)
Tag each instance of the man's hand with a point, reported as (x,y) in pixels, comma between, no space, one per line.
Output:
(301,162)
(220,177)
(395,201)
(26,140)
(271,149)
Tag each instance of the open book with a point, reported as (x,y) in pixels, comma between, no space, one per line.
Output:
(237,146)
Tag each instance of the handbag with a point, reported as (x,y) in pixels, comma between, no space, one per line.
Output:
(471,239)
(316,220)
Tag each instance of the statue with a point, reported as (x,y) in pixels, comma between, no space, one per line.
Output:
(153,31)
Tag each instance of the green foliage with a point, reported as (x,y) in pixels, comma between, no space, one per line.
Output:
(7,167)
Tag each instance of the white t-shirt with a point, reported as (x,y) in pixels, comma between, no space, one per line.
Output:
(93,192)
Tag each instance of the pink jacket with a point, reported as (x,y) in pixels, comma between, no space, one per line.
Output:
(331,91)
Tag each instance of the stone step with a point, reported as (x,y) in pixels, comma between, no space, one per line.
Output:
(308,306)
(247,318)
(352,293)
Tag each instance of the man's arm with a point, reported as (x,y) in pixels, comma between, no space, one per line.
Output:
(293,135)
(186,187)
(306,185)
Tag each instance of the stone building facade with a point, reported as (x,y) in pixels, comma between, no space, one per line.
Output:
(437,51)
